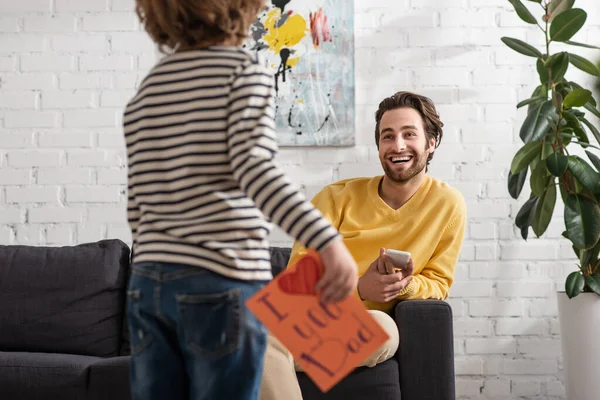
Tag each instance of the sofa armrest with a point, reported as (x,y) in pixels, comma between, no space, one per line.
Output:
(426,352)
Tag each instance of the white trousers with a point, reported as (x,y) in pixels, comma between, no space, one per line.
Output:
(279,373)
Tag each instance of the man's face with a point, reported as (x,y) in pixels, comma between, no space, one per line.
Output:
(403,144)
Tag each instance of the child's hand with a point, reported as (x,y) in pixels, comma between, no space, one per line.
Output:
(341,273)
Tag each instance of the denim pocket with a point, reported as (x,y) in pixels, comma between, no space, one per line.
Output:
(211,322)
(139,335)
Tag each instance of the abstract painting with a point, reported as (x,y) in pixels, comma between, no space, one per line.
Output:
(309,46)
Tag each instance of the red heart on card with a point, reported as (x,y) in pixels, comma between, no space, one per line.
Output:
(303,278)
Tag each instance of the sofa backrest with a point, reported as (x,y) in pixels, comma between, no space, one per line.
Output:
(279,259)
(63,299)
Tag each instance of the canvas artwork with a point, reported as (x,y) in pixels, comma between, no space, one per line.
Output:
(309,45)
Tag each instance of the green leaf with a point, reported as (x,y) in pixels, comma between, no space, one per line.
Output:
(584,173)
(574,127)
(577,98)
(578,114)
(583,64)
(564,87)
(593,282)
(544,210)
(587,46)
(594,159)
(582,137)
(516,182)
(536,160)
(525,216)
(582,220)
(521,47)
(592,101)
(547,148)
(592,109)
(575,250)
(574,284)
(567,24)
(570,119)
(558,65)
(537,99)
(525,156)
(563,191)
(523,12)
(557,164)
(538,122)
(566,138)
(539,179)
(592,129)
(555,7)
(589,257)
(577,186)
(540,91)
(542,71)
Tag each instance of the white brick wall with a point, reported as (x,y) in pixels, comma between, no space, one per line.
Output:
(67,67)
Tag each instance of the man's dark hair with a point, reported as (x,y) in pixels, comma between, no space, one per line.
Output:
(424,106)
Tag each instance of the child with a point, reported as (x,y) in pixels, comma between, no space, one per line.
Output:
(202,178)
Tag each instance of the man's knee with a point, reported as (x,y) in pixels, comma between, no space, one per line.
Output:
(389,348)
(279,378)
(386,350)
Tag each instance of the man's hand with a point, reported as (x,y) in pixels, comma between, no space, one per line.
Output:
(381,283)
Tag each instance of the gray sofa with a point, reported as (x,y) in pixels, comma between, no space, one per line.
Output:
(63,333)
(62,326)
(423,368)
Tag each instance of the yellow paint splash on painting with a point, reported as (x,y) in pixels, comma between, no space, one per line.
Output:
(289,34)
(300,101)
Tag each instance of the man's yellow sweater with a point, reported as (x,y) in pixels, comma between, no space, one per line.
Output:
(430,225)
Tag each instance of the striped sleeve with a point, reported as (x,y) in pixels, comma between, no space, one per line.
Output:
(252,148)
(133,212)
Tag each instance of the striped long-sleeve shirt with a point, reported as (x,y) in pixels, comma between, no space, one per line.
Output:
(201,171)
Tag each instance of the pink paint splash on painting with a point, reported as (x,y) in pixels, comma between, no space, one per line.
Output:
(319,28)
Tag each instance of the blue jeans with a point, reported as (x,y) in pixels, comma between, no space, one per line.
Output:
(192,336)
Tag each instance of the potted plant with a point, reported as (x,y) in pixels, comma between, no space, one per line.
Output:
(598,79)
(560,154)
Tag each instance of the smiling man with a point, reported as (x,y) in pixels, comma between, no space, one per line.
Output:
(404,209)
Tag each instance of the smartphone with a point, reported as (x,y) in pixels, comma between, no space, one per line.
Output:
(398,257)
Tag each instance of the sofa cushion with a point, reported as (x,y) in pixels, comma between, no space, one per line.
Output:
(45,376)
(109,379)
(380,382)
(63,299)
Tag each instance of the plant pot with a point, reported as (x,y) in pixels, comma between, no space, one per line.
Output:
(580,332)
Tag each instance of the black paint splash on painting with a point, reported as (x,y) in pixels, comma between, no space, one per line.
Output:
(280,3)
(328,114)
(299,126)
(290,123)
(258,31)
(285,55)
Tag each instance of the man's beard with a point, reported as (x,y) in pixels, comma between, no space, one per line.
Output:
(419,163)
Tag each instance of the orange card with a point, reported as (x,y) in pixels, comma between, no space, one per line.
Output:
(328,341)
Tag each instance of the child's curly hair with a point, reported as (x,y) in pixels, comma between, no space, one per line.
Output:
(187,24)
